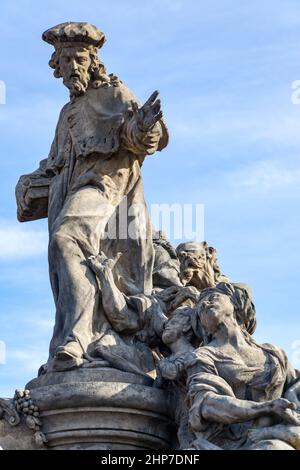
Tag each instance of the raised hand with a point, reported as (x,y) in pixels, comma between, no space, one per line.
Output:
(101,263)
(149,113)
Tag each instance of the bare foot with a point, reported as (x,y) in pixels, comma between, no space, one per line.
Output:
(258,434)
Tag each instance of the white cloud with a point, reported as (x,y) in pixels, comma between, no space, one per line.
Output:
(16,241)
(43,325)
(38,113)
(265,125)
(264,176)
(29,359)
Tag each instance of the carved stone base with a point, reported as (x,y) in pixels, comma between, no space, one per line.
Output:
(102,409)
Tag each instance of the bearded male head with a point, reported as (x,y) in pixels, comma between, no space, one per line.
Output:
(75,58)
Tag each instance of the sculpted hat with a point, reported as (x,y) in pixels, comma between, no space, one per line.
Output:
(70,33)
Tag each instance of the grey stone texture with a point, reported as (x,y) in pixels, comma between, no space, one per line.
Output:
(153,346)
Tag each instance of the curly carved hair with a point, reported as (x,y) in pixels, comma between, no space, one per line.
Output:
(97,69)
(211,271)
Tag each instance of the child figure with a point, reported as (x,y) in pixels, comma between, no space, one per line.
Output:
(180,339)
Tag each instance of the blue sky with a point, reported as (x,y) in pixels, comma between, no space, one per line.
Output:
(224,70)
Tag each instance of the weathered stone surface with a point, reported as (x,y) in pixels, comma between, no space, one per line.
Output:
(96,409)
(83,375)
(234,393)
(129,307)
(117,411)
(102,137)
(17,438)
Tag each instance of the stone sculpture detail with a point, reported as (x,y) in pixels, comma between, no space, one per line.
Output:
(23,409)
(101,140)
(9,412)
(26,407)
(152,346)
(239,394)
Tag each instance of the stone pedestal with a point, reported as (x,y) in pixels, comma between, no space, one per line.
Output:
(102,409)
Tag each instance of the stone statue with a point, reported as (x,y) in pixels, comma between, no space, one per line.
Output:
(198,269)
(240,395)
(152,346)
(166,270)
(134,324)
(135,321)
(101,140)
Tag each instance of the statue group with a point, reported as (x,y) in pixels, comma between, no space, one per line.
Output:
(126,300)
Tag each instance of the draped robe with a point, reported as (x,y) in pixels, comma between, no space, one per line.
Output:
(95,161)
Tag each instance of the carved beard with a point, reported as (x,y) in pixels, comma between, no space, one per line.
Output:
(77,85)
(196,272)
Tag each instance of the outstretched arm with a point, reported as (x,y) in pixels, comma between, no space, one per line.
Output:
(119,314)
(141,133)
(229,410)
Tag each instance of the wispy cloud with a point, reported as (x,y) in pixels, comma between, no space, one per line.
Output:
(267,124)
(29,359)
(265,176)
(16,241)
(37,112)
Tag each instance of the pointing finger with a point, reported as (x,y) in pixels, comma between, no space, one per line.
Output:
(152,98)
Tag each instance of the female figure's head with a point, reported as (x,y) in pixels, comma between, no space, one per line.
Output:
(224,304)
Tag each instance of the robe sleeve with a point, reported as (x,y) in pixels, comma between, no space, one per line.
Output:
(289,373)
(203,381)
(138,142)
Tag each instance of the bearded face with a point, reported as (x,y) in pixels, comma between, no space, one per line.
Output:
(74,67)
(196,265)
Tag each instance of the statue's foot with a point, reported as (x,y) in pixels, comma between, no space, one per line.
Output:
(257,434)
(59,366)
(68,357)
(71,350)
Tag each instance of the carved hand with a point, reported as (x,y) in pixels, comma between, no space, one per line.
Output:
(101,263)
(175,296)
(149,113)
(285,410)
